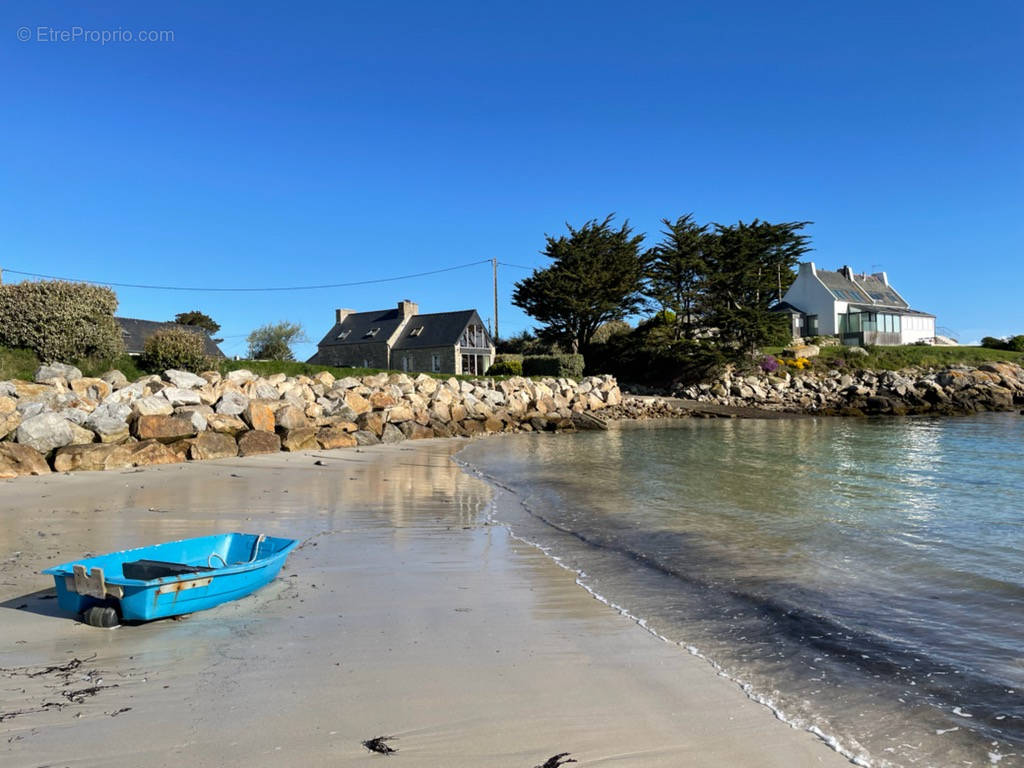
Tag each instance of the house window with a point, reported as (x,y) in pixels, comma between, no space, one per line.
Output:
(435,363)
(407,362)
(371,333)
(473,337)
(416,331)
(366,363)
(812,325)
(344,334)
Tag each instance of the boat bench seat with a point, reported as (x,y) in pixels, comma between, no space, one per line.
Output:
(145,570)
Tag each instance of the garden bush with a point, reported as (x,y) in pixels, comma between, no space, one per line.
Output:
(567,366)
(174,348)
(60,321)
(505,368)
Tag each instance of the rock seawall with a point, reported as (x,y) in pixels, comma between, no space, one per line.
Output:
(956,389)
(64,421)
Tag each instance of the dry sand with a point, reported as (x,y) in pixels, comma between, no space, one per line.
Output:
(403,614)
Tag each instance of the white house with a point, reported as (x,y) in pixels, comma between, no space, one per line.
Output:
(859,309)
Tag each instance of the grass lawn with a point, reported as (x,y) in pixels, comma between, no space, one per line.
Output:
(22,364)
(896,358)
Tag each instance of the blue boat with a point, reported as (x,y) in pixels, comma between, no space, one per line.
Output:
(168,579)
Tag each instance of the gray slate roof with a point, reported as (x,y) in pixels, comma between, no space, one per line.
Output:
(441,329)
(867,289)
(135,333)
(359,323)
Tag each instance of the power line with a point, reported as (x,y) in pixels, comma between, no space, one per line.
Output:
(250,290)
(517,266)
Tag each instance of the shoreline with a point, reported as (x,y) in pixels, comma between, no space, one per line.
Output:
(404,613)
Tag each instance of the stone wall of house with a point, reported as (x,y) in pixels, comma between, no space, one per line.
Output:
(63,421)
(368,355)
(422,359)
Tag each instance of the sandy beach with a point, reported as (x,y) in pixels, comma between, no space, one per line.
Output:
(403,614)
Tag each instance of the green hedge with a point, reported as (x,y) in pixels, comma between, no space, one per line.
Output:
(174,348)
(567,366)
(506,368)
(60,321)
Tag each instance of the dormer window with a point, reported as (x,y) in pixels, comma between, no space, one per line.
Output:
(371,333)
(344,334)
(416,331)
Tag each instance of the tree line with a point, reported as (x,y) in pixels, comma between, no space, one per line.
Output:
(705,284)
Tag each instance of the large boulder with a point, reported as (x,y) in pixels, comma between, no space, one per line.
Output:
(95,456)
(228,425)
(184,379)
(291,417)
(53,373)
(299,439)
(371,421)
(335,437)
(153,405)
(391,434)
(26,390)
(259,415)
(257,441)
(92,389)
(357,402)
(177,396)
(213,445)
(45,432)
(166,429)
(240,377)
(232,403)
(150,452)
(18,460)
(364,437)
(9,416)
(197,414)
(115,379)
(399,414)
(109,429)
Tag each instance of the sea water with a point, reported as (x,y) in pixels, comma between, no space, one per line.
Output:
(863,578)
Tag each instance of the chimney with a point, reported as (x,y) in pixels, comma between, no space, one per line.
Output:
(408,308)
(846,272)
(341,314)
(807,267)
(883,277)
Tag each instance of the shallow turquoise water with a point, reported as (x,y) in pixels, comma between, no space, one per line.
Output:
(865,578)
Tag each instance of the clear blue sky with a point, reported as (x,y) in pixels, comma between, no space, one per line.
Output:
(325,142)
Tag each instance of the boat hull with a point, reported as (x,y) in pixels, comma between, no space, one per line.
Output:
(200,573)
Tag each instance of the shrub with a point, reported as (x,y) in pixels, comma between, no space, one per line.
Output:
(174,348)
(991,342)
(1015,343)
(60,321)
(274,341)
(769,364)
(505,368)
(567,366)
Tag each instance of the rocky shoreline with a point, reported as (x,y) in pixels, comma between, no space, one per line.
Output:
(951,390)
(63,421)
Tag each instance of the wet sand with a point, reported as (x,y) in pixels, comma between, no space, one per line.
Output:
(403,614)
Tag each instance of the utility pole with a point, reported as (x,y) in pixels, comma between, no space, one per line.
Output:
(494,266)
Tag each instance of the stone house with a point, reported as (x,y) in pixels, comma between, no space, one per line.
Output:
(858,308)
(135,332)
(403,339)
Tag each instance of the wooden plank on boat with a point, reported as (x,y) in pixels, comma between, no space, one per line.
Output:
(179,586)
